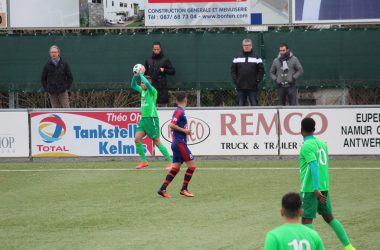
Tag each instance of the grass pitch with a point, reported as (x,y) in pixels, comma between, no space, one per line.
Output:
(100,205)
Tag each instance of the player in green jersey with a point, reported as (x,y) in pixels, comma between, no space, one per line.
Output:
(149,123)
(314,173)
(292,235)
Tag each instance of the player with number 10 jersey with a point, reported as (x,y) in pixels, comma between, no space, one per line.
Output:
(314,175)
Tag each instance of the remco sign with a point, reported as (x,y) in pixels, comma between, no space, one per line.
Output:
(347,131)
(228,132)
(251,124)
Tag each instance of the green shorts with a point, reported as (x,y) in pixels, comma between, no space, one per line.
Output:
(311,205)
(151,127)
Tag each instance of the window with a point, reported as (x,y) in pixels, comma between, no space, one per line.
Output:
(121,4)
(113,3)
(125,5)
(96,1)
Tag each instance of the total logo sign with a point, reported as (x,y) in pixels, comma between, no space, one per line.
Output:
(51,129)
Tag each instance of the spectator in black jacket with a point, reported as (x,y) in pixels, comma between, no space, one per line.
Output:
(56,79)
(247,71)
(157,67)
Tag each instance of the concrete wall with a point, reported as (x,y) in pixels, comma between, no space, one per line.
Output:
(96,14)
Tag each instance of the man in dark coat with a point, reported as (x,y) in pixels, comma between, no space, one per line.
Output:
(247,71)
(57,79)
(157,67)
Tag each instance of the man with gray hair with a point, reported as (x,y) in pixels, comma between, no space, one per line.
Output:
(285,71)
(56,79)
(247,71)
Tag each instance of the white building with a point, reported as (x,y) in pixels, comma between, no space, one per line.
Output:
(118,9)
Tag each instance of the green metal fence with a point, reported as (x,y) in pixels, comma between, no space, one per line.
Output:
(331,58)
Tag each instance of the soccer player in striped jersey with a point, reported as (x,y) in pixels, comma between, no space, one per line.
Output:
(149,123)
(314,173)
(181,152)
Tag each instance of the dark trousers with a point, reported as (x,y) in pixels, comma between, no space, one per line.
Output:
(162,97)
(290,93)
(252,96)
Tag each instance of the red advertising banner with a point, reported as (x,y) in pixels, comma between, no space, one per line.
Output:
(90,133)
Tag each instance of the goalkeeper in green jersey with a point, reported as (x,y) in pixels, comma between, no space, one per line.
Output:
(314,173)
(292,235)
(149,123)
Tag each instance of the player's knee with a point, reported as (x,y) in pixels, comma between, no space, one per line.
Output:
(307,221)
(137,140)
(191,164)
(328,218)
(157,142)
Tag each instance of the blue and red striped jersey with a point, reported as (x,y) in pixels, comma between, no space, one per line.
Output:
(179,119)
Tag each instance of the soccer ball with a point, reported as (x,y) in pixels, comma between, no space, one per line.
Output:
(137,68)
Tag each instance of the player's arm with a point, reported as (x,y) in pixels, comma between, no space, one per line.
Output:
(315,180)
(314,174)
(270,242)
(173,124)
(309,154)
(147,84)
(178,128)
(134,85)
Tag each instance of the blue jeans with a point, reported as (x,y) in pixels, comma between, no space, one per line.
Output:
(252,95)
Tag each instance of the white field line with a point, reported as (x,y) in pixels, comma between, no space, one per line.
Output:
(159,169)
